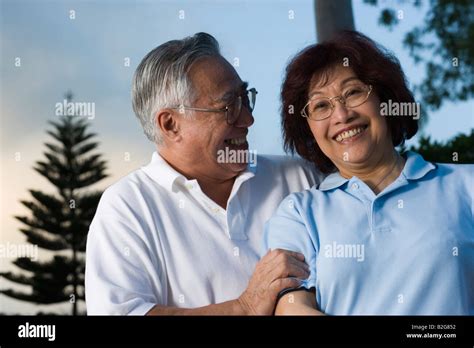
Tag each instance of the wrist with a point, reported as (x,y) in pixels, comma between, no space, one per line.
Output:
(242,307)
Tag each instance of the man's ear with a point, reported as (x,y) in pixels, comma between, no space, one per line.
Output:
(168,123)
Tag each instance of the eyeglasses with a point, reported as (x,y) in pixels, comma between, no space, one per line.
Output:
(232,110)
(320,108)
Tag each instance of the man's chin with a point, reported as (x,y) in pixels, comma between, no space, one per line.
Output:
(234,161)
(233,169)
(237,167)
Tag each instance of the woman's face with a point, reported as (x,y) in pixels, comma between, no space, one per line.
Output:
(351,138)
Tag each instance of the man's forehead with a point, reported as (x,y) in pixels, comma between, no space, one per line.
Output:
(230,89)
(217,75)
(213,67)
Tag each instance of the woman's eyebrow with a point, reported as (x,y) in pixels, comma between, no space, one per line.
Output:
(349,79)
(343,82)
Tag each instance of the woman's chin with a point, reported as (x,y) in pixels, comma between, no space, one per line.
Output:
(354,155)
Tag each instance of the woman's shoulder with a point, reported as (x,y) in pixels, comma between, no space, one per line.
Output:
(457,179)
(456,168)
(419,166)
(459,173)
(304,198)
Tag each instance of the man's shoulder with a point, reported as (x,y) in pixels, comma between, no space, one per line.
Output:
(287,166)
(282,162)
(293,173)
(129,187)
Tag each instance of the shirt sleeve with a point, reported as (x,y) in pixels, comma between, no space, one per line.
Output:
(288,229)
(122,277)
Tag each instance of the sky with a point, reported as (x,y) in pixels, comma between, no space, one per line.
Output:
(84,46)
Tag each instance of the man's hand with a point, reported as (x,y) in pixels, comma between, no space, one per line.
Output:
(272,275)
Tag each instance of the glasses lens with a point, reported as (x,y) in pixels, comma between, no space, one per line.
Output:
(356,95)
(233,110)
(247,99)
(252,97)
(318,109)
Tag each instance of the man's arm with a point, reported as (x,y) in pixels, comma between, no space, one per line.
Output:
(301,302)
(226,308)
(273,273)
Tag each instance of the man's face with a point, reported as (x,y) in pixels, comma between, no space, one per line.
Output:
(206,134)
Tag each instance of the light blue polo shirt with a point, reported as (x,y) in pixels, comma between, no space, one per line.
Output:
(408,250)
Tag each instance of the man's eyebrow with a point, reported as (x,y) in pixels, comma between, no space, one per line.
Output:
(349,79)
(233,92)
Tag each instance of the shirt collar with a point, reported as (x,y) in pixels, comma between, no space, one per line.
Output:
(165,175)
(161,172)
(415,168)
(332,181)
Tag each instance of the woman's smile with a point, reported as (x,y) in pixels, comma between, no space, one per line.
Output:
(350,134)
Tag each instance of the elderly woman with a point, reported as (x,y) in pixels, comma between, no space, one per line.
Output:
(383,233)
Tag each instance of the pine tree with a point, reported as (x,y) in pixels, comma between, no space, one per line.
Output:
(60,222)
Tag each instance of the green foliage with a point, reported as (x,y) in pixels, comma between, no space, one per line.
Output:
(60,221)
(444,43)
(388,18)
(459,149)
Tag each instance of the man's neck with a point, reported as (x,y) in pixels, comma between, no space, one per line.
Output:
(217,189)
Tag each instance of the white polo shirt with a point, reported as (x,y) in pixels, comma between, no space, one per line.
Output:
(157,238)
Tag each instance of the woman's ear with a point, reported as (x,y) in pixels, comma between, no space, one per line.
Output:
(167,122)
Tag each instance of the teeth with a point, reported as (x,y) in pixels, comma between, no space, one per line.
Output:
(237,141)
(349,133)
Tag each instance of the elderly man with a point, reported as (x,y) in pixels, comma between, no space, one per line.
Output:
(183,234)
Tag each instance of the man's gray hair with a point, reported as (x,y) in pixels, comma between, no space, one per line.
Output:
(161,79)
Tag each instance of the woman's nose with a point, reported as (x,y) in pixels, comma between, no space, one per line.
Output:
(340,112)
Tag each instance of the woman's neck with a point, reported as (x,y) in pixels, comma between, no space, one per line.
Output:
(379,175)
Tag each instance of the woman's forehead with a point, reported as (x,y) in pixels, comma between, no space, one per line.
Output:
(335,76)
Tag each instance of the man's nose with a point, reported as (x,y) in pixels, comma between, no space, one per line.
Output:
(245,118)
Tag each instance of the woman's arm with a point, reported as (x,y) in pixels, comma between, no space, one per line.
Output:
(301,302)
